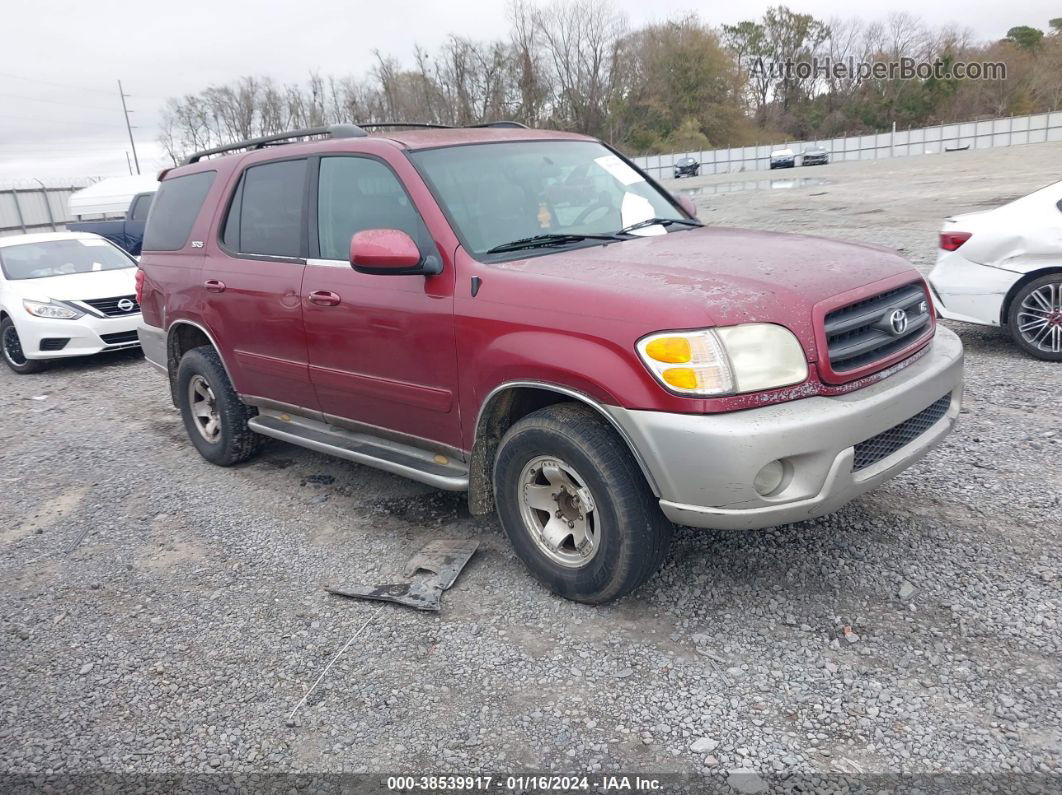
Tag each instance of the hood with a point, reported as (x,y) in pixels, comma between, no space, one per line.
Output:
(77,286)
(713,276)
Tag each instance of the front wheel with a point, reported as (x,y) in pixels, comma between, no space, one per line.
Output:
(214,416)
(576,507)
(14,356)
(1035,318)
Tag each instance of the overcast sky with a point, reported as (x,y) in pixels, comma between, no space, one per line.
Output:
(61,111)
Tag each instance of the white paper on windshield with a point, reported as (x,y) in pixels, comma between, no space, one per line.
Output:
(636,209)
(620,170)
(91,242)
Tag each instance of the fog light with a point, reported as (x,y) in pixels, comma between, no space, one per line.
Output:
(769,478)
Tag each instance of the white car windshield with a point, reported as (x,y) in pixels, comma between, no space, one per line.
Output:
(61,258)
(495,194)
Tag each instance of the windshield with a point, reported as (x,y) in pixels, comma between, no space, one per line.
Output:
(499,193)
(61,258)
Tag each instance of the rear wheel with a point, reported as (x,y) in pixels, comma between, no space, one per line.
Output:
(1035,318)
(214,416)
(576,507)
(14,356)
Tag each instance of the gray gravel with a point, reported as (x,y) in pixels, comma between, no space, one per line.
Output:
(917,630)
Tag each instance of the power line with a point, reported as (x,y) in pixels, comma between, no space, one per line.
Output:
(66,121)
(56,102)
(60,147)
(69,86)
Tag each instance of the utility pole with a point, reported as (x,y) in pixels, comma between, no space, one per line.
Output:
(128,127)
(128,164)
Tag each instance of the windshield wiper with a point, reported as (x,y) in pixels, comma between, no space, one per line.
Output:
(551,239)
(658,221)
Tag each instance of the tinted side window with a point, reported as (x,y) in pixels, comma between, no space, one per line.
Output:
(265,216)
(141,207)
(356,193)
(177,204)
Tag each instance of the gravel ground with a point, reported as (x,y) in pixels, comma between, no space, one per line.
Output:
(161,614)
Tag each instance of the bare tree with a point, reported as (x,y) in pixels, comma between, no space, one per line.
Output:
(582,39)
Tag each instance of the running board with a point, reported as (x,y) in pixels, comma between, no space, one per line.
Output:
(399,459)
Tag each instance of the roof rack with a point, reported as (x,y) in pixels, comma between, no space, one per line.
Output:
(432,126)
(335,131)
(507,124)
(418,124)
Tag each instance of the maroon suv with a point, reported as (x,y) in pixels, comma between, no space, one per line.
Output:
(526,316)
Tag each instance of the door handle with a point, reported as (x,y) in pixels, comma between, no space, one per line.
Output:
(324,298)
(214,286)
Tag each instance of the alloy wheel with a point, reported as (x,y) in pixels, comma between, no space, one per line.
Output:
(558,511)
(204,407)
(1040,318)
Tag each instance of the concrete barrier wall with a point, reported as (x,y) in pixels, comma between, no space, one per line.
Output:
(1011,131)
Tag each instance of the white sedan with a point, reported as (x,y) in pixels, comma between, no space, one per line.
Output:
(64,294)
(1003,267)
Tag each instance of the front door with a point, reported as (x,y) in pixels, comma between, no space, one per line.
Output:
(252,282)
(382,351)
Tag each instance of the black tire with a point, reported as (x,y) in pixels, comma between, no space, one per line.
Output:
(1018,315)
(11,350)
(633,535)
(234,442)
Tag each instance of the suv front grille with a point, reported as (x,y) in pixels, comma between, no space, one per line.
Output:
(115,307)
(888,442)
(864,332)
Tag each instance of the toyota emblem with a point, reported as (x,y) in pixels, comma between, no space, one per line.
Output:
(126,305)
(898,322)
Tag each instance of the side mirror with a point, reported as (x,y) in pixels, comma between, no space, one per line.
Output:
(687,204)
(389,252)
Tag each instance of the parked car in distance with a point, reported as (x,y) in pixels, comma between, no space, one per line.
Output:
(99,202)
(783,158)
(815,156)
(525,316)
(1003,267)
(687,167)
(64,294)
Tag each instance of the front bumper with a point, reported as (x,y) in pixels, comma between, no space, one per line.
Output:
(704,466)
(968,291)
(85,336)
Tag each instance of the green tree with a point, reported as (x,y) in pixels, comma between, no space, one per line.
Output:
(1026,37)
(681,84)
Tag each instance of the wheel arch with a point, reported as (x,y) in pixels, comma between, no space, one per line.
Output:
(183,336)
(1008,299)
(507,404)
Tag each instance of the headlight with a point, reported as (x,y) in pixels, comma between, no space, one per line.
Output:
(725,361)
(51,309)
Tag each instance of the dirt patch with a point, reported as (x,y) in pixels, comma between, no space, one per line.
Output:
(49,513)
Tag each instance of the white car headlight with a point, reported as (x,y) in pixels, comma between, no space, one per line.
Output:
(52,310)
(725,361)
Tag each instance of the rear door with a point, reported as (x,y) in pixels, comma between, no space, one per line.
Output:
(382,350)
(252,284)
